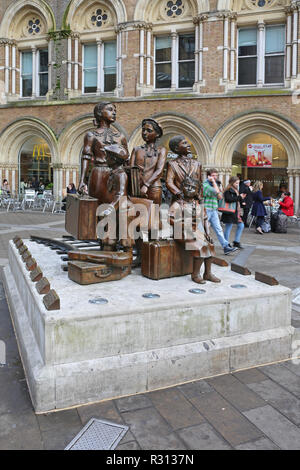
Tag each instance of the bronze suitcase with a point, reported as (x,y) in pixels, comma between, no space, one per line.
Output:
(165,258)
(85,273)
(115,258)
(81,220)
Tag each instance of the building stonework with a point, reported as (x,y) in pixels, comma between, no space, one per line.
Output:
(188,63)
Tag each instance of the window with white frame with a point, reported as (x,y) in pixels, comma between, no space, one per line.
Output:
(40,80)
(182,68)
(261,52)
(99,67)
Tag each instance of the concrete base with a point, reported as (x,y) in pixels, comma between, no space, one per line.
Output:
(86,352)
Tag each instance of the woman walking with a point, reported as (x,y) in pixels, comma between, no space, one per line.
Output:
(258,208)
(231,195)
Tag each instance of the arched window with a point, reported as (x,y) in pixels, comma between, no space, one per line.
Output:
(35,162)
(94,26)
(24,29)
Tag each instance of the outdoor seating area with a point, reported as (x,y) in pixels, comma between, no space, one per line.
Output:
(30,200)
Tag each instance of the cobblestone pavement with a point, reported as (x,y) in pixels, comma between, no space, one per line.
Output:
(252,409)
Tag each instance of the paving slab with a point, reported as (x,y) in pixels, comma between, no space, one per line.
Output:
(105,410)
(14,395)
(151,431)
(238,394)
(166,401)
(275,426)
(250,376)
(193,389)
(20,430)
(133,403)
(59,420)
(54,439)
(281,374)
(231,424)
(203,437)
(279,398)
(259,444)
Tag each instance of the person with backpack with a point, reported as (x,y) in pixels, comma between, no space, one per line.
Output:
(258,208)
(232,196)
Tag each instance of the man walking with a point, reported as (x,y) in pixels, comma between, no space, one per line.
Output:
(211,195)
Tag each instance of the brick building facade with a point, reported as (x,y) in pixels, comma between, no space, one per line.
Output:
(225,73)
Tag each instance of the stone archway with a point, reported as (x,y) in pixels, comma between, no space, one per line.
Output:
(117,6)
(14,136)
(236,129)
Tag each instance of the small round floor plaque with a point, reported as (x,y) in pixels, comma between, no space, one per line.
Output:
(238,286)
(98,301)
(197,291)
(151,296)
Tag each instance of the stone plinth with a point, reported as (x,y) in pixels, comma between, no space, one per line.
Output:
(87,352)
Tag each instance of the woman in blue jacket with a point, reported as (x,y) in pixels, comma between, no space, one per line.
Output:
(258,208)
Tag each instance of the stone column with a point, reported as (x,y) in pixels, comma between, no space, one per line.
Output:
(148,56)
(119,89)
(13,180)
(227,176)
(76,64)
(69,62)
(141,56)
(6,69)
(260,63)
(225,48)
(13,73)
(288,43)
(174,61)
(297,190)
(50,55)
(100,85)
(196,23)
(295,40)
(57,180)
(291,183)
(232,46)
(34,71)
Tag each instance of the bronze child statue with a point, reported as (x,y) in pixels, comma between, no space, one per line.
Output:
(197,240)
(184,165)
(93,151)
(115,193)
(150,159)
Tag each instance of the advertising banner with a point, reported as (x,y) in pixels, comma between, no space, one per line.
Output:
(259,155)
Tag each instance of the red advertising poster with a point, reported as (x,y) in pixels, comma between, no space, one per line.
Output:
(259,155)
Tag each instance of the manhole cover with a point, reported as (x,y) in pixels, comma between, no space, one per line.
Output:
(98,434)
(197,291)
(98,301)
(150,296)
(238,286)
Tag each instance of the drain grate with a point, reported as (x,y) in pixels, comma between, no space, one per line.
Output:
(98,434)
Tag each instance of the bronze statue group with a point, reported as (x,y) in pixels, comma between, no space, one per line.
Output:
(114,173)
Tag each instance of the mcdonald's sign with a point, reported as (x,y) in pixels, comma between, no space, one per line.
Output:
(39,152)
